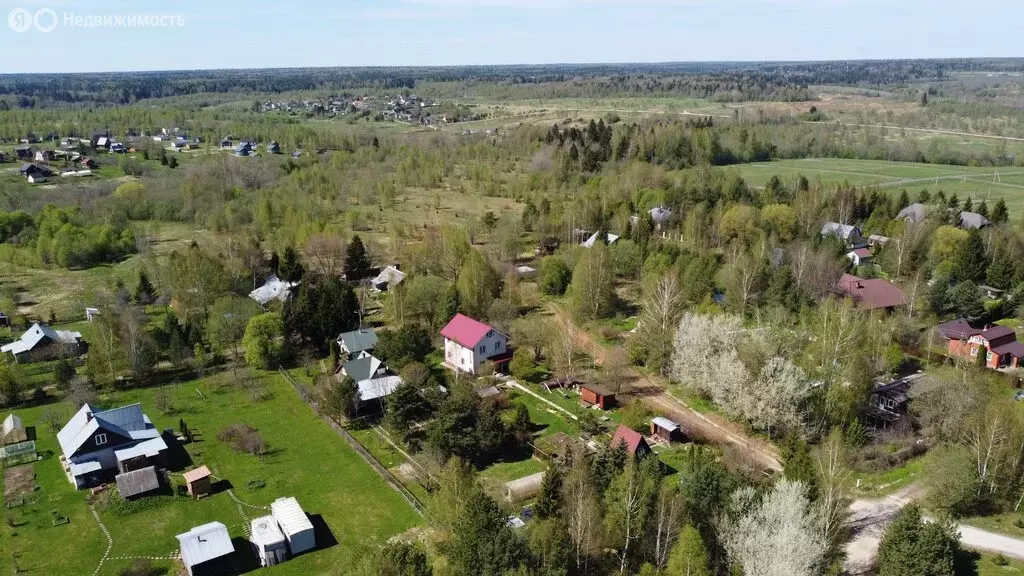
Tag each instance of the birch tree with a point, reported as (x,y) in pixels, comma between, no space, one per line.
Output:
(629,502)
(582,511)
(658,320)
(668,520)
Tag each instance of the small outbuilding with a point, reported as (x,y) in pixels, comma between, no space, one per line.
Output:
(597,396)
(634,441)
(13,431)
(523,488)
(207,550)
(294,523)
(197,481)
(664,429)
(137,482)
(268,541)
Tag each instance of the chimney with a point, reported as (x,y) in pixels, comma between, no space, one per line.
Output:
(88,416)
(859,284)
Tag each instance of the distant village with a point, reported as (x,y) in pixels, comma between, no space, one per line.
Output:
(402,108)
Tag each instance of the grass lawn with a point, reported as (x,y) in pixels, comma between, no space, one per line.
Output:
(305,459)
(880,483)
(1001,523)
(986,567)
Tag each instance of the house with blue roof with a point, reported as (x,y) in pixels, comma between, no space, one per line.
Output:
(99,444)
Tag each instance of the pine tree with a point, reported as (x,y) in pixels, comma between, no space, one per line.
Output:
(549,502)
(904,200)
(1000,214)
(357,262)
(968,204)
(290,269)
(982,208)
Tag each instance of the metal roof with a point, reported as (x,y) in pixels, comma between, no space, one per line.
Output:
(465,330)
(610,238)
(289,516)
(137,482)
(362,368)
(378,387)
(390,275)
(665,423)
(273,289)
(149,448)
(205,543)
(34,335)
(358,340)
(265,532)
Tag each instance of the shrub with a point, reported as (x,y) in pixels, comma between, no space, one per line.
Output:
(243,438)
(1000,560)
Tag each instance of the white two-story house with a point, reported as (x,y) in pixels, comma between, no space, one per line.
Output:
(469,343)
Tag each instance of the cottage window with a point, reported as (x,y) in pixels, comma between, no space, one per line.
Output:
(483,349)
(974,350)
(988,356)
(100,439)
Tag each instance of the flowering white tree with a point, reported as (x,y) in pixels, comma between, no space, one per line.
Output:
(780,535)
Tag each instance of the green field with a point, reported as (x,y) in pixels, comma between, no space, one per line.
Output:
(964,181)
(305,459)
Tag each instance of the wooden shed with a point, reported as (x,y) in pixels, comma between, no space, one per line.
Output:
(597,396)
(664,429)
(13,431)
(198,482)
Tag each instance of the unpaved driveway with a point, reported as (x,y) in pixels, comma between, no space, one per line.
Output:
(870,518)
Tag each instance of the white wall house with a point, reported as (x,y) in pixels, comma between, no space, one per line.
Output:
(469,343)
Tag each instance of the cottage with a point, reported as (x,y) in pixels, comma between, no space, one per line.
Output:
(488,392)
(32,169)
(599,396)
(97,443)
(226,143)
(268,541)
(352,343)
(102,142)
(86,162)
(548,245)
(869,293)
(137,483)
(197,482)
(273,147)
(24,152)
(207,550)
(117,148)
(273,289)
(40,342)
(634,441)
(609,239)
(888,402)
(660,216)
(844,232)
(523,488)
(664,429)
(36,179)
(991,292)
(914,213)
(388,278)
(13,431)
(295,525)
(243,149)
(372,376)
(859,256)
(998,343)
(469,343)
(525,272)
(877,240)
(45,156)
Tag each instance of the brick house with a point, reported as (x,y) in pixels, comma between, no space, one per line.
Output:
(998,343)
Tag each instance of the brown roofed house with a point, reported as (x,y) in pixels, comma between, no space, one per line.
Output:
(634,441)
(869,293)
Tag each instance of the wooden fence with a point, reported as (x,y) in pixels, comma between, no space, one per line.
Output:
(357,446)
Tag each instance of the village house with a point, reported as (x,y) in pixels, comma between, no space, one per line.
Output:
(32,169)
(295,525)
(352,343)
(45,156)
(998,343)
(664,429)
(973,221)
(40,343)
(99,443)
(914,213)
(845,232)
(372,376)
(869,293)
(888,403)
(877,240)
(609,239)
(268,541)
(117,148)
(859,256)
(24,152)
(634,441)
(207,550)
(388,278)
(469,343)
(273,289)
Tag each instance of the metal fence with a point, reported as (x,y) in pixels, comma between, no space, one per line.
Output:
(356,445)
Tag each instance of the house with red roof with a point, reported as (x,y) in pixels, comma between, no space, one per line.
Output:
(468,343)
(859,256)
(869,293)
(634,441)
(998,343)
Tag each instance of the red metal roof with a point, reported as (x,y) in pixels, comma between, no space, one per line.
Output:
(869,293)
(465,330)
(862,253)
(630,437)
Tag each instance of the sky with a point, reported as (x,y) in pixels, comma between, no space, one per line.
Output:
(55,36)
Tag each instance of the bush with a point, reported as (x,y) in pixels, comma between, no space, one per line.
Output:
(1000,560)
(243,438)
(636,416)
(553,276)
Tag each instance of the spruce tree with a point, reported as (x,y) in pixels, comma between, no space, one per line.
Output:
(982,208)
(904,200)
(1000,214)
(144,291)
(290,269)
(1000,272)
(357,262)
(549,502)
(969,260)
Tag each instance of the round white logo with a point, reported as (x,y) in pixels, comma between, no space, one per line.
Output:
(20,20)
(45,20)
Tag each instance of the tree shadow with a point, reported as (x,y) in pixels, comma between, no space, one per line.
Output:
(178,458)
(966,563)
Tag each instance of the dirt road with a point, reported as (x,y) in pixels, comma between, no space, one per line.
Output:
(869,519)
(652,391)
